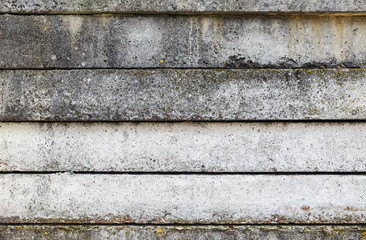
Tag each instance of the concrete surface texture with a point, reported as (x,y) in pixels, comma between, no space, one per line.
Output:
(160,41)
(131,232)
(183,147)
(188,199)
(179,6)
(173,95)
(182,119)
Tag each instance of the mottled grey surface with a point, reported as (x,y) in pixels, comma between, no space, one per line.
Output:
(139,95)
(194,34)
(158,41)
(176,6)
(220,199)
(183,147)
(183,232)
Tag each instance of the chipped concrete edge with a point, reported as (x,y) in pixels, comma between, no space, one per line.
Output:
(180,232)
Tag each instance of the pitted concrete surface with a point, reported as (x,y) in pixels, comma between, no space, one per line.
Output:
(100,62)
(183,147)
(221,199)
(158,41)
(177,6)
(131,232)
(150,95)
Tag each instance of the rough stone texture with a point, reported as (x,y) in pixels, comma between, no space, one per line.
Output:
(183,232)
(176,6)
(133,95)
(183,147)
(223,199)
(158,41)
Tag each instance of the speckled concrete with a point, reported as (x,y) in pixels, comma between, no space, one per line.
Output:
(183,147)
(177,6)
(221,199)
(158,41)
(140,95)
(46,232)
(168,60)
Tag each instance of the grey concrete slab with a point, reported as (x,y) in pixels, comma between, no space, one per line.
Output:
(183,147)
(176,6)
(97,232)
(221,199)
(158,41)
(160,95)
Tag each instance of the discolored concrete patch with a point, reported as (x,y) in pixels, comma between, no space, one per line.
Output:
(174,6)
(181,95)
(182,232)
(162,41)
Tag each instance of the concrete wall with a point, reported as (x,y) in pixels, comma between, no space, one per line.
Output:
(176,6)
(181,95)
(171,41)
(183,147)
(182,119)
(183,199)
(181,232)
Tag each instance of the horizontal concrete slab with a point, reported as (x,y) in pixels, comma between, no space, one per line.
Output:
(152,95)
(155,41)
(181,232)
(183,147)
(221,199)
(174,6)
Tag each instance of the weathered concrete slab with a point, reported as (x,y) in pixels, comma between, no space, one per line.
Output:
(221,199)
(155,41)
(182,232)
(175,6)
(183,147)
(140,95)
